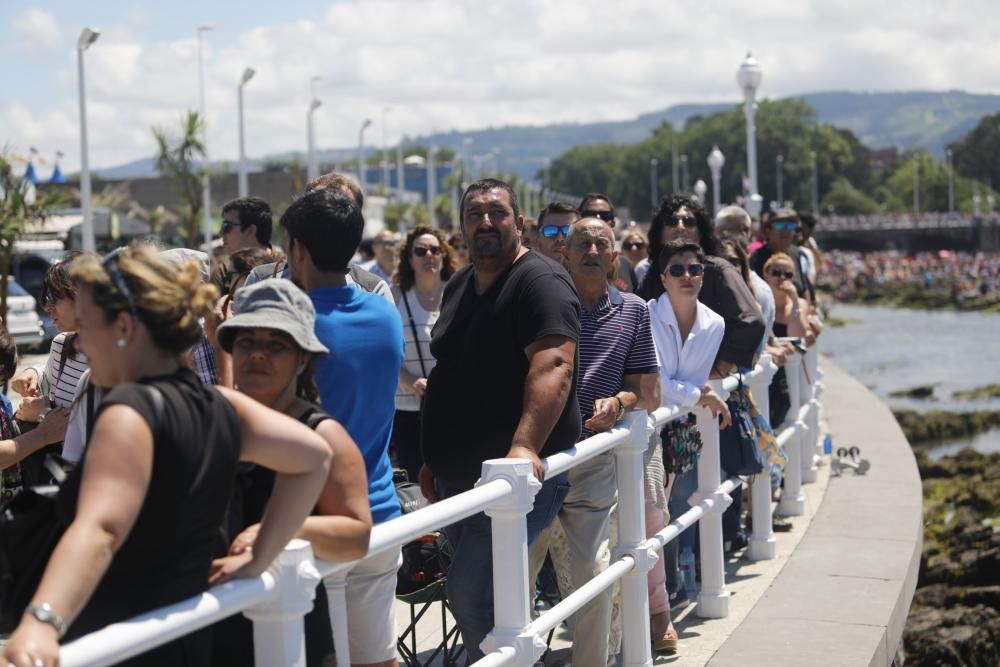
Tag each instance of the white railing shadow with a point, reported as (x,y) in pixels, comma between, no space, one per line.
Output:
(278,600)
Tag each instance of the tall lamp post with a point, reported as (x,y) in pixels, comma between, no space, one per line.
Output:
(815,183)
(206,185)
(779,172)
(951,180)
(87,37)
(242,186)
(361,152)
(385,151)
(431,183)
(916,184)
(684,173)
(749,78)
(716,161)
(312,168)
(654,195)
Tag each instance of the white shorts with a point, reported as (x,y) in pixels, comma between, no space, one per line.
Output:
(371,598)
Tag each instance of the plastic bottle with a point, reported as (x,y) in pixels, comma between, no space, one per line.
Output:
(687,568)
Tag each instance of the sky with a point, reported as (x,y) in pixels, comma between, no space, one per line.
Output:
(442,65)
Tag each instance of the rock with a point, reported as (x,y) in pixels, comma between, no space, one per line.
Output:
(959,636)
(922,391)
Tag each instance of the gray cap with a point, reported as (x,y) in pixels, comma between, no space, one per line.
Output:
(273,304)
(181,255)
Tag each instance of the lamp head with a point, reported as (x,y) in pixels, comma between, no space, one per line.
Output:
(87,37)
(365,125)
(700,189)
(716,160)
(247,75)
(315,104)
(205,28)
(749,75)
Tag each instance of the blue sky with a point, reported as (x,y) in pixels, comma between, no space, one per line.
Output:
(452,64)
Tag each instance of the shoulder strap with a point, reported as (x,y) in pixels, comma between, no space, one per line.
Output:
(278,268)
(365,279)
(416,339)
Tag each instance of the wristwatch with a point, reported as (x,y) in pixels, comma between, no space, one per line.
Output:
(44,613)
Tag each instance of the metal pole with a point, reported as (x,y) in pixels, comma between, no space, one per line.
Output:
(242,182)
(311,170)
(675,166)
(88,241)
(779,167)
(815,184)
(751,141)
(684,172)
(431,183)
(951,181)
(385,151)
(654,196)
(362,168)
(206,185)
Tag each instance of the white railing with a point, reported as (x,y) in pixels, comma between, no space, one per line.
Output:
(277,601)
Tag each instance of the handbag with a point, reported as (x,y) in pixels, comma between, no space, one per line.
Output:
(681,445)
(739,453)
(425,559)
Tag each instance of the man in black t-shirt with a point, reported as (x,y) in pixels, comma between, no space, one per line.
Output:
(504,386)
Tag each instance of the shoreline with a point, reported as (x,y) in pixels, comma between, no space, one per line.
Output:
(912,296)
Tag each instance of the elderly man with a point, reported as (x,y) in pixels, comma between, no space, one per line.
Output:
(618,371)
(504,386)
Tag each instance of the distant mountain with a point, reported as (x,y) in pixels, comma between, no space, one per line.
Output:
(928,119)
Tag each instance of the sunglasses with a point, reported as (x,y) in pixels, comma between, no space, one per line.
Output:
(778,273)
(633,245)
(420,251)
(693,270)
(675,220)
(552,231)
(785,226)
(606,216)
(228,226)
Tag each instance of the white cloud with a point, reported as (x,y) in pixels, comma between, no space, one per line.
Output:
(460,64)
(39,29)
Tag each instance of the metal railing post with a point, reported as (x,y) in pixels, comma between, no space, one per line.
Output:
(511,604)
(763,545)
(278,631)
(807,437)
(793,503)
(336,597)
(636,647)
(713,599)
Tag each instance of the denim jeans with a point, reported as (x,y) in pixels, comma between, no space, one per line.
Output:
(684,486)
(470,575)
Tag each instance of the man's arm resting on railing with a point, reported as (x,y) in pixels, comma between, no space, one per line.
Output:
(639,390)
(546,389)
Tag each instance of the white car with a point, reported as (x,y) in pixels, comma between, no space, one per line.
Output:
(23,323)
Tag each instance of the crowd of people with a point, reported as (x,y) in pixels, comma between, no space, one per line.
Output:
(960,275)
(207,416)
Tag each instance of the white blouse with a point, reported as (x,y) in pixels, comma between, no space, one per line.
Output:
(684,368)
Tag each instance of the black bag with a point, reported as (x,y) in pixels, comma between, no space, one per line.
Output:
(29,531)
(425,559)
(738,450)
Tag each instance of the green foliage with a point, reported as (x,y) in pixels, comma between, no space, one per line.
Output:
(176,157)
(845,199)
(977,155)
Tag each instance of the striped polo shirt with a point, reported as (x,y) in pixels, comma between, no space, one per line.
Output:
(615,341)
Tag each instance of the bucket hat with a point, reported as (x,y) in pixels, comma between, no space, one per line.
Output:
(273,304)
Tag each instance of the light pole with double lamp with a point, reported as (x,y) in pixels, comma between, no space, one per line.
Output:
(87,37)
(716,161)
(749,77)
(206,184)
(242,186)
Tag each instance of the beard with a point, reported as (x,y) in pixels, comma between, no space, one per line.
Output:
(492,245)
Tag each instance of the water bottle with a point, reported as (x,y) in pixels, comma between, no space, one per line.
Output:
(688,573)
(827,445)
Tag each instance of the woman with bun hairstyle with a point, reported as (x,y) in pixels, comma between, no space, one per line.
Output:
(144,506)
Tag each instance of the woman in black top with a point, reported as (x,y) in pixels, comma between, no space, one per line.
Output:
(270,337)
(145,503)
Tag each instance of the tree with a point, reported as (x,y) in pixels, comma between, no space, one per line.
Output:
(845,199)
(20,204)
(977,155)
(175,157)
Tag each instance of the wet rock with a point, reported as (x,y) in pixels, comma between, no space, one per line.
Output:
(959,636)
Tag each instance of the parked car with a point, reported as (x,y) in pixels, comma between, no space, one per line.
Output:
(23,323)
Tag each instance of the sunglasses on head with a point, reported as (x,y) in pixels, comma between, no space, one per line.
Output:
(633,245)
(785,226)
(420,251)
(229,225)
(552,231)
(606,216)
(391,243)
(693,270)
(778,273)
(675,220)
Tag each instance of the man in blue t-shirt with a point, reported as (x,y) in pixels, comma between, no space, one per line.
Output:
(357,387)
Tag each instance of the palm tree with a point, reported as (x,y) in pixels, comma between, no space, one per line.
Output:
(175,157)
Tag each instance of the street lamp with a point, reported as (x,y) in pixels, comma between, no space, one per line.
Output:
(716,161)
(206,186)
(684,172)
(431,182)
(242,187)
(361,152)
(87,37)
(699,190)
(975,199)
(815,183)
(312,168)
(653,189)
(779,169)
(749,78)
(951,181)
(916,184)
(385,151)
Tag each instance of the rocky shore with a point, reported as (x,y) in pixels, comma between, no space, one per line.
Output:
(931,426)
(914,295)
(955,616)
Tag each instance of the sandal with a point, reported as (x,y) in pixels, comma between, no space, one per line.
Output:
(667,644)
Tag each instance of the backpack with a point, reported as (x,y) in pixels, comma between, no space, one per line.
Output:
(425,559)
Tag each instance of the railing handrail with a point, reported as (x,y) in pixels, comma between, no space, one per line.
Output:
(156,627)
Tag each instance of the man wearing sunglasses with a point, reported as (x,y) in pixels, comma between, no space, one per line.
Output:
(246,223)
(553,227)
(598,205)
(779,232)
